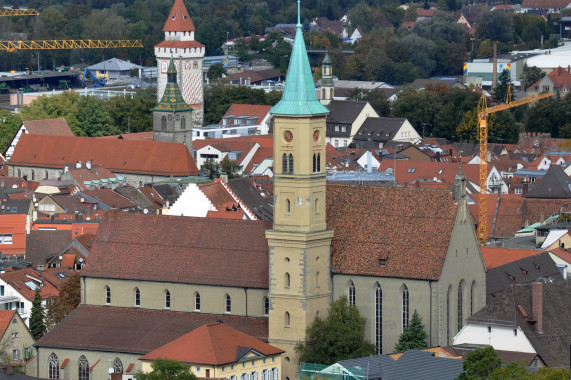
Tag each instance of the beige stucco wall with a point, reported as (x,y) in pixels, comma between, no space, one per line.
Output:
(245,302)
(247,365)
(17,337)
(99,372)
(407,133)
(368,111)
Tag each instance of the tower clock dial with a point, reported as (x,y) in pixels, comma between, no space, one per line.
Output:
(316,136)
(288,136)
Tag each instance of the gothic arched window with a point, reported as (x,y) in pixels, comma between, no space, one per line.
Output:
(164,123)
(379,318)
(53,366)
(83,368)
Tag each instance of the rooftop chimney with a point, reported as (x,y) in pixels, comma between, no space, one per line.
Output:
(88,165)
(78,165)
(537,305)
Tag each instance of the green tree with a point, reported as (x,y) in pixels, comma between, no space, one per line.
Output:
(419,107)
(37,325)
(67,300)
(230,168)
(211,169)
(49,107)
(548,115)
(167,369)
(216,71)
(133,114)
(495,26)
(480,364)
(94,117)
(502,86)
(9,124)
(531,75)
(340,336)
(412,337)
(376,98)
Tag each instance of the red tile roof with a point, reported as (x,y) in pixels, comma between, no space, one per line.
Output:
(119,156)
(14,225)
(495,257)
(139,136)
(211,344)
(110,198)
(179,44)
(217,194)
(563,254)
(144,247)
(409,228)
(17,280)
(6,317)
(179,20)
(118,329)
(54,127)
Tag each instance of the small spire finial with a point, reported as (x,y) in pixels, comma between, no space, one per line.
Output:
(298,13)
(460,162)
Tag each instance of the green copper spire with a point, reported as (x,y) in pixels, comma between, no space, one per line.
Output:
(299,97)
(172,100)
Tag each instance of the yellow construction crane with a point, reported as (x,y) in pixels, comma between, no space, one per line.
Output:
(19,12)
(483,112)
(13,46)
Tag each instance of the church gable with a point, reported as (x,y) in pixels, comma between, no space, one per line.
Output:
(390,232)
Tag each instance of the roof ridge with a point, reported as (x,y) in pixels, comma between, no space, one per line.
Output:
(244,207)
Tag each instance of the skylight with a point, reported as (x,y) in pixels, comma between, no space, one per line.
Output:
(31,285)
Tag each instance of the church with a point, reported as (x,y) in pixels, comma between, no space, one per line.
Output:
(153,278)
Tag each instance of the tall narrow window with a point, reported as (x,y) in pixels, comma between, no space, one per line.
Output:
(290,164)
(379,318)
(323,94)
(314,162)
(473,297)
(197,302)
(117,366)
(53,366)
(286,280)
(137,297)
(317,280)
(288,206)
(405,307)
(107,295)
(83,368)
(266,306)
(460,301)
(183,123)
(318,163)
(167,299)
(284,163)
(448,313)
(164,123)
(286,319)
(351,292)
(228,304)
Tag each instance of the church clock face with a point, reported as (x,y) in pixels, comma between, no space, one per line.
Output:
(316,136)
(288,136)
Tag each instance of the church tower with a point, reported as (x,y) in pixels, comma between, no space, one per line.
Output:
(299,242)
(172,117)
(179,43)
(327,85)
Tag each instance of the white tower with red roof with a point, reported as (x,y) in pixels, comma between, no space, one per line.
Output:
(187,53)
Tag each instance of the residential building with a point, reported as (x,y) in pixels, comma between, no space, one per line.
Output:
(16,342)
(531,318)
(187,54)
(380,130)
(344,120)
(559,80)
(239,120)
(215,350)
(546,6)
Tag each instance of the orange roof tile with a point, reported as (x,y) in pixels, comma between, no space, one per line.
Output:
(17,280)
(68,260)
(119,156)
(495,257)
(561,253)
(212,344)
(14,225)
(5,320)
(54,127)
(179,19)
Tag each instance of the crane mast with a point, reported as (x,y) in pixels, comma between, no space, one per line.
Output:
(483,112)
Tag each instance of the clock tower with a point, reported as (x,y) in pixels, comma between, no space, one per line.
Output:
(187,54)
(299,242)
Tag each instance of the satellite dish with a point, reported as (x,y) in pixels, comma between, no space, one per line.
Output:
(82,200)
(61,257)
(146,211)
(111,370)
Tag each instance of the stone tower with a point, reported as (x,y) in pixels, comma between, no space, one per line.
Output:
(327,85)
(172,117)
(299,242)
(187,53)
